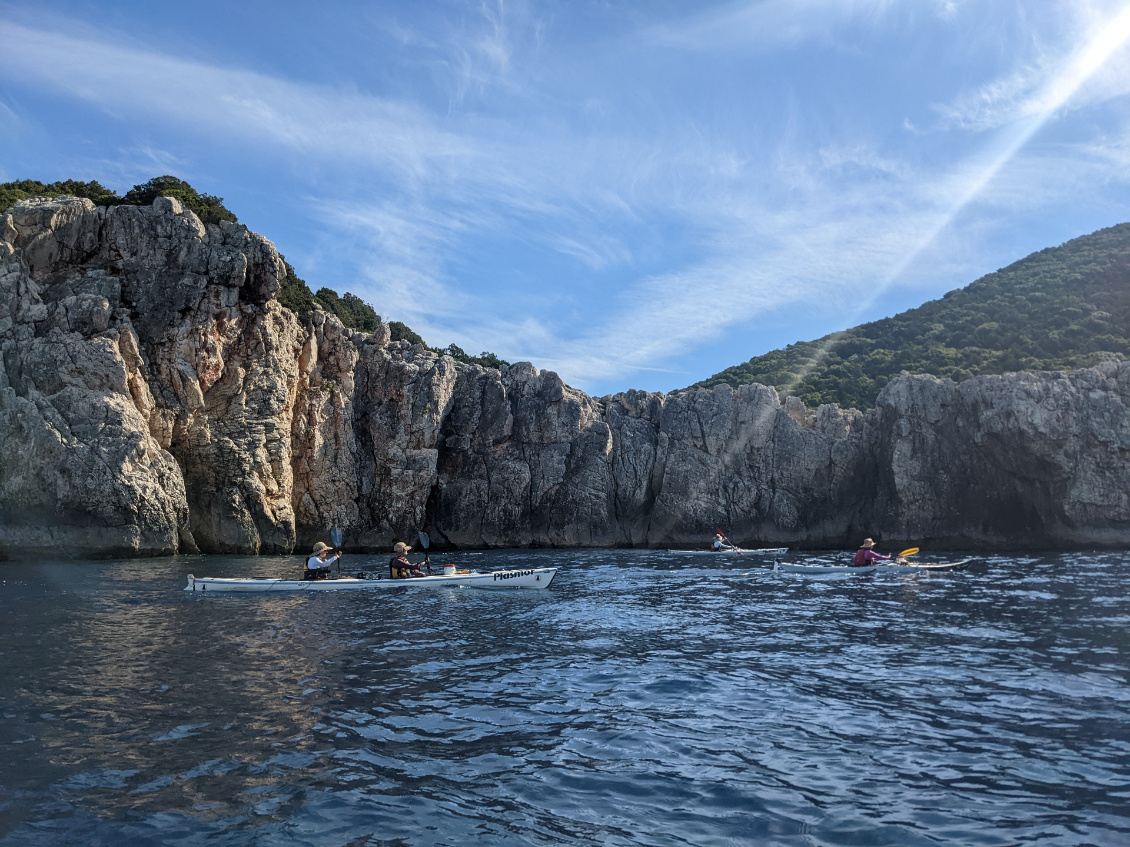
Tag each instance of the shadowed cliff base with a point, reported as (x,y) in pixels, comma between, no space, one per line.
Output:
(156,398)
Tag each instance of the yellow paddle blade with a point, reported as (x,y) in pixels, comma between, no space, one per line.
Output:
(909,552)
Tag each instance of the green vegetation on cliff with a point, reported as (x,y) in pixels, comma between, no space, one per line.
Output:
(402,332)
(295,294)
(1063,308)
(12,193)
(351,310)
(209,209)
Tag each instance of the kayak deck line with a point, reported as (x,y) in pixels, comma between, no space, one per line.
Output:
(536,578)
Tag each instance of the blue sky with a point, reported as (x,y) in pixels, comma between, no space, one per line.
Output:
(632,194)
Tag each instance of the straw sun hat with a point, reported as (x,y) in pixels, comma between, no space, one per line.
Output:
(867,542)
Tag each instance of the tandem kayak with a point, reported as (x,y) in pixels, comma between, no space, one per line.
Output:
(528,578)
(786,567)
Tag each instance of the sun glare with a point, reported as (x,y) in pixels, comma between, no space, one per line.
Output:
(1082,65)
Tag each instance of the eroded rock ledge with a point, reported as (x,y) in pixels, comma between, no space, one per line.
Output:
(155,398)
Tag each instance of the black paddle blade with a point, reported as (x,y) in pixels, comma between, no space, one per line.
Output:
(425,542)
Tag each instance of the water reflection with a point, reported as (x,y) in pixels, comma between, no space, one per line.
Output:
(647,698)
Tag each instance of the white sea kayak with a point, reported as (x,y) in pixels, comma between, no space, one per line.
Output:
(528,578)
(758,551)
(786,567)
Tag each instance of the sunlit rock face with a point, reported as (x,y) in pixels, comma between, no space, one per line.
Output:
(148,380)
(156,398)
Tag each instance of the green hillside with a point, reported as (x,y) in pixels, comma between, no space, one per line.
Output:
(1062,308)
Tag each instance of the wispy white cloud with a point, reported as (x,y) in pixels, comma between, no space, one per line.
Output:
(139,162)
(232,102)
(1091,67)
(995,103)
(401,255)
(596,253)
(765,24)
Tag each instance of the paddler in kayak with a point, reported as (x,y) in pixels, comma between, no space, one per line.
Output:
(400,568)
(318,565)
(721,542)
(866,555)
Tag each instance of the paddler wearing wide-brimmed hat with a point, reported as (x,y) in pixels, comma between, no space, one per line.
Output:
(721,542)
(866,554)
(318,565)
(399,567)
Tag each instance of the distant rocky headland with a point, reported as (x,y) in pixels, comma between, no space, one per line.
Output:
(156,398)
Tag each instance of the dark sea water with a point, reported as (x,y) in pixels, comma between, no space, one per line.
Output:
(646,698)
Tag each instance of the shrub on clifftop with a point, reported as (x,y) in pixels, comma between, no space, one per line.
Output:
(12,193)
(350,309)
(487,360)
(209,209)
(402,332)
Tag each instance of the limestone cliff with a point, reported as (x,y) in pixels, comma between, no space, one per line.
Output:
(155,398)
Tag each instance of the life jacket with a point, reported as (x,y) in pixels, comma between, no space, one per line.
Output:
(867,556)
(396,568)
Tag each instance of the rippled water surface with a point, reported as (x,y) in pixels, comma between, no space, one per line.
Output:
(647,697)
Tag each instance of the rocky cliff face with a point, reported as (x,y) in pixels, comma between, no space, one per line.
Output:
(155,398)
